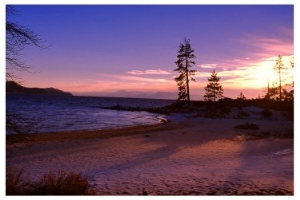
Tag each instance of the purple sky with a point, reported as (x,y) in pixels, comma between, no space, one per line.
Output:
(100,49)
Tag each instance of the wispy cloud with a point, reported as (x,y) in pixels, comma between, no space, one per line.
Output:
(112,82)
(208,66)
(268,47)
(149,71)
(288,32)
(137,79)
(226,64)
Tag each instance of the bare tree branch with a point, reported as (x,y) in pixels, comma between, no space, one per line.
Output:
(17,38)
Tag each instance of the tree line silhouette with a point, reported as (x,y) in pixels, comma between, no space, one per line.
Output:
(214,90)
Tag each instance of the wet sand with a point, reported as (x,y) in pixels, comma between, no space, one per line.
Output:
(193,157)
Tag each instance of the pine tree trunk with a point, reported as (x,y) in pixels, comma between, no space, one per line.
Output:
(280,94)
(187,81)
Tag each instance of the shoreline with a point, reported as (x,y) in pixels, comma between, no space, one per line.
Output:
(82,134)
(115,132)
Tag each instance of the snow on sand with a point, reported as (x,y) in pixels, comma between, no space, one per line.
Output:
(196,156)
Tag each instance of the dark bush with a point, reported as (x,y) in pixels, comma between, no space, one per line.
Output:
(264,134)
(287,134)
(248,126)
(17,182)
(242,115)
(266,113)
(60,183)
(260,135)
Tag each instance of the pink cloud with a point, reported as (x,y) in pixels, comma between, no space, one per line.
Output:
(268,47)
(137,79)
(149,71)
(208,66)
(101,83)
(289,32)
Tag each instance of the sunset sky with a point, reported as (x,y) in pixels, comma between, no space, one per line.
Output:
(100,49)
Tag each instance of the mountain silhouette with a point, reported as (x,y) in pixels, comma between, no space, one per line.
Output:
(13,87)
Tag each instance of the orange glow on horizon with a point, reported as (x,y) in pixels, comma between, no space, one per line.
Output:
(258,74)
(247,76)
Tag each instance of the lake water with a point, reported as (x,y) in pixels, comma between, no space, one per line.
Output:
(68,113)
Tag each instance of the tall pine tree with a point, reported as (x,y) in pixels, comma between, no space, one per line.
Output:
(279,67)
(184,62)
(213,90)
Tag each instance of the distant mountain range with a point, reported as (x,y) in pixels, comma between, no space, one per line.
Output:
(131,94)
(148,95)
(13,87)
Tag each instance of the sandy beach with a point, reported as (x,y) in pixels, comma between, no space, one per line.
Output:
(197,156)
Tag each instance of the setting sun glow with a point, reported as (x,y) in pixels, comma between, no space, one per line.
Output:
(263,73)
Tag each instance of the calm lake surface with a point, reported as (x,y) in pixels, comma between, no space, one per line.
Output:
(68,113)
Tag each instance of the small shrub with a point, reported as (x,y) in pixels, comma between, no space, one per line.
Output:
(17,182)
(286,134)
(266,113)
(264,134)
(215,111)
(63,184)
(242,115)
(289,114)
(248,126)
(261,135)
(60,183)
